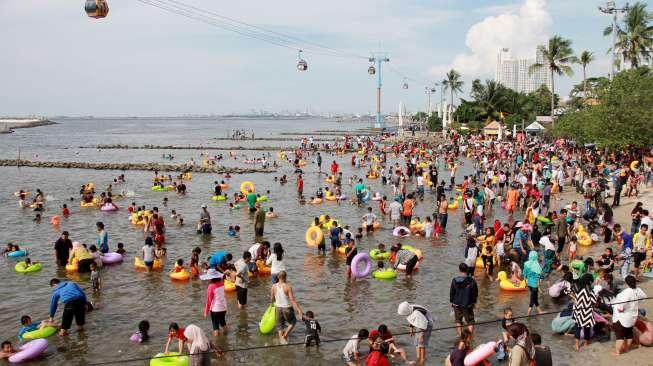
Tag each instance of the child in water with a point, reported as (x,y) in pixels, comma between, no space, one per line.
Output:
(121,249)
(179,266)
(96,282)
(7,350)
(175,332)
(351,252)
(231,231)
(65,212)
(142,334)
(194,262)
(28,326)
(313,329)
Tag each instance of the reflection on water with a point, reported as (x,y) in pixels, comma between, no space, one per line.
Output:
(320,282)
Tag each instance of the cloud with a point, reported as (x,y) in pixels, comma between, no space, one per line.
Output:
(520,31)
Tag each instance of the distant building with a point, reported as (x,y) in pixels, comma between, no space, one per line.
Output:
(513,73)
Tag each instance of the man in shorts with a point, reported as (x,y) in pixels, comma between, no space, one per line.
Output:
(369,219)
(421,325)
(74,300)
(463,295)
(242,278)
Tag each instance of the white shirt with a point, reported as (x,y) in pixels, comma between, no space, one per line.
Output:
(420,181)
(626,313)
(649,222)
(277,265)
(253,249)
(352,346)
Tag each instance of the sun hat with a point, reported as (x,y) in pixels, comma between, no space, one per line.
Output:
(203,205)
(211,274)
(404,309)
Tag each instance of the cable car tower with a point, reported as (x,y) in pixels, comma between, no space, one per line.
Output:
(378,58)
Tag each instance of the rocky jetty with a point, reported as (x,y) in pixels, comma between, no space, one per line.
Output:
(132,166)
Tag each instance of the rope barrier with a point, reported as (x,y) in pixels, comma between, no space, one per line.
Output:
(334,340)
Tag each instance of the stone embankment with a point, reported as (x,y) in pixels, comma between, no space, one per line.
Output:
(189,147)
(132,166)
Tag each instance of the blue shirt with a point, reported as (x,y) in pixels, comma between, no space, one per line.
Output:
(28,328)
(335,236)
(66,292)
(627,240)
(103,242)
(521,239)
(218,258)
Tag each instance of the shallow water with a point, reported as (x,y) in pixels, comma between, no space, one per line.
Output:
(128,296)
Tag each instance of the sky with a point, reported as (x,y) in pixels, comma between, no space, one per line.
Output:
(143,61)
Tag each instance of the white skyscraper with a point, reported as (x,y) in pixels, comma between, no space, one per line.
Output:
(513,73)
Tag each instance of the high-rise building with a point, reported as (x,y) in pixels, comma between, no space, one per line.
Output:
(514,73)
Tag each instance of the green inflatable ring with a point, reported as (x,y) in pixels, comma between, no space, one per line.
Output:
(268,320)
(219,198)
(169,359)
(387,274)
(262,199)
(378,256)
(545,220)
(44,332)
(21,268)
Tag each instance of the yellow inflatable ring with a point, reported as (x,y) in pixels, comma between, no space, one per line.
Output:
(246,186)
(183,275)
(314,236)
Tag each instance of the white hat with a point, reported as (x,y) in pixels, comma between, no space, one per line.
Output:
(203,205)
(404,308)
(211,274)
(519,224)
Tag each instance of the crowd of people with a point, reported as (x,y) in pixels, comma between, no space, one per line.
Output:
(534,247)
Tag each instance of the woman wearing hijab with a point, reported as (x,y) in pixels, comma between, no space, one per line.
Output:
(533,274)
(523,351)
(582,311)
(199,346)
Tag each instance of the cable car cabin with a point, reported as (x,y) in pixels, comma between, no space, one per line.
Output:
(302,65)
(405,86)
(96,8)
(371,70)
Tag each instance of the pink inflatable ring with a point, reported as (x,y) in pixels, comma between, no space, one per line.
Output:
(111,258)
(29,351)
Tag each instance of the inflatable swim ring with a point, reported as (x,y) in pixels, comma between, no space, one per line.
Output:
(92,204)
(246,186)
(330,196)
(417,252)
(183,275)
(378,256)
(545,220)
(479,261)
(583,237)
(108,207)
(111,258)
(342,249)
(453,206)
(229,286)
(219,198)
(386,274)
(314,236)
(169,359)
(316,200)
(354,265)
(29,350)
(268,320)
(480,353)
(262,199)
(20,267)
(330,179)
(643,332)
(139,264)
(17,253)
(44,332)
(161,189)
(73,267)
(396,230)
(262,268)
(507,285)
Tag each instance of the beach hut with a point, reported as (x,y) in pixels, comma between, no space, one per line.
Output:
(493,129)
(535,128)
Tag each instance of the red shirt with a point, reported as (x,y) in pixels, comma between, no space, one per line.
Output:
(300,185)
(179,335)
(375,333)
(65,211)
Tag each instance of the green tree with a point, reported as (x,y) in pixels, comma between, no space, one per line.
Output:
(539,101)
(635,36)
(585,58)
(587,93)
(466,112)
(557,58)
(621,118)
(419,116)
(453,83)
(491,99)
(434,123)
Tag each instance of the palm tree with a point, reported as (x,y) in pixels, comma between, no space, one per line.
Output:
(635,38)
(453,83)
(557,58)
(586,57)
